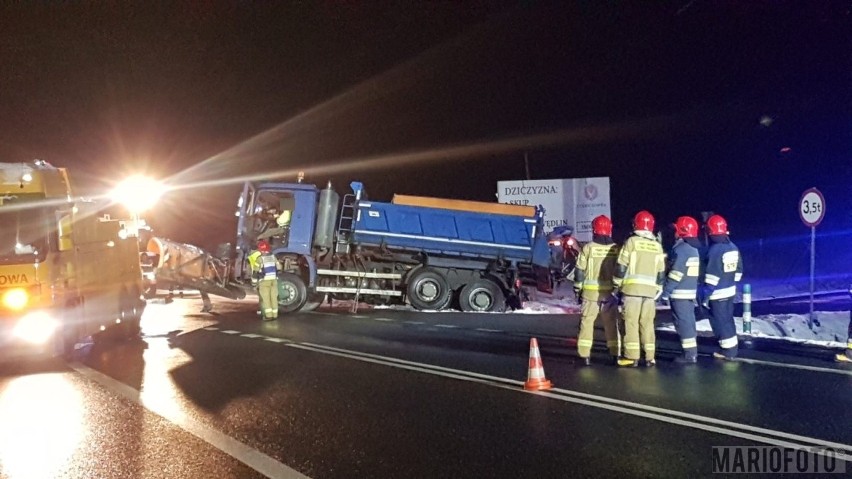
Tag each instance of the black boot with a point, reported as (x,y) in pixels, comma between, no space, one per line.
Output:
(689,356)
(585,361)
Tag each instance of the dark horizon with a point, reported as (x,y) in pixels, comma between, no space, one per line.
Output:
(686,106)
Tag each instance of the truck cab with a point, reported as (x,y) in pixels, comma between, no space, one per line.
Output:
(259,207)
(66,271)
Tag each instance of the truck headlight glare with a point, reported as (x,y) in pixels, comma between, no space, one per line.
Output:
(15,299)
(35,328)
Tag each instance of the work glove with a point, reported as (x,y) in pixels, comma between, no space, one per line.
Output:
(704,293)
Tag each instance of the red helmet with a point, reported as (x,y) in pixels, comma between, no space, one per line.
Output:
(717,225)
(686,227)
(602,225)
(263,246)
(643,221)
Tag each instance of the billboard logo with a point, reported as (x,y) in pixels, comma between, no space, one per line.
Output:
(590,191)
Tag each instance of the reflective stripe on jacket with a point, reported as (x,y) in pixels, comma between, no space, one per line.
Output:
(595,269)
(724,270)
(682,280)
(268,266)
(642,263)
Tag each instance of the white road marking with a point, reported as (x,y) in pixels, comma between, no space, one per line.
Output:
(230,331)
(449,326)
(795,366)
(627,407)
(211,328)
(251,335)
(414,322)
(276,340)
(242,452)
(382,319)
(490,330)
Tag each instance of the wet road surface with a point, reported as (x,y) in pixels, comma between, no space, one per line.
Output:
(388,393)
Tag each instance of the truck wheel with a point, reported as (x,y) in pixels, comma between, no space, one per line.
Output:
(292,293)
(314,301)
(428,289)
(482,295)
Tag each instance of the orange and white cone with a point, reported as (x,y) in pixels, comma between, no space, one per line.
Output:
(535,378)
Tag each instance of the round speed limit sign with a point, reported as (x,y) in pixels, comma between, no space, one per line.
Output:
(812,207)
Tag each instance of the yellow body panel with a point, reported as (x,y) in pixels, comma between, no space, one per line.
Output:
(86,276)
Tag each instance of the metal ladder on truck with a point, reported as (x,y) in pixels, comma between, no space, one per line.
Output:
(346,223)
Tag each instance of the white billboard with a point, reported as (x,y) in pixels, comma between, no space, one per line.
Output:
(571,201)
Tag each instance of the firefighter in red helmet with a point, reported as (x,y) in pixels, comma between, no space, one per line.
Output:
(681,285)
(593,288)
(264,266)
(639,278)
(723,271)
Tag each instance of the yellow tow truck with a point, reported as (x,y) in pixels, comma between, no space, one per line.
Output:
(67,270)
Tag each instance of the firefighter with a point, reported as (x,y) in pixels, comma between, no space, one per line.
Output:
(638,279)
(681,285)
(593,287)
(264,267)
(723,271)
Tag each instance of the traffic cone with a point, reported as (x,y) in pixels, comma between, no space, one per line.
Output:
(535,377)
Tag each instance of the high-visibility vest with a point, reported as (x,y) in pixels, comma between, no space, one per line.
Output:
(268,266)
(643,258)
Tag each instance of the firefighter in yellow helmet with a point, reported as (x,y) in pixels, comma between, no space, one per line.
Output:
(639,278)
(593,288)
(264,266)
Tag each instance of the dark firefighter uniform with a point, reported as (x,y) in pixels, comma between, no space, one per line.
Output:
(723,271)
(680,289)
(593,285)
(639,278)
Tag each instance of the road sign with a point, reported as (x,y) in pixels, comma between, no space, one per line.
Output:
(812,207)
(812,211)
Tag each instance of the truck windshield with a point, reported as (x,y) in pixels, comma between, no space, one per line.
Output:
(23,233)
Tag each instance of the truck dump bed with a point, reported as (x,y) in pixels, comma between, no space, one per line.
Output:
(452,229)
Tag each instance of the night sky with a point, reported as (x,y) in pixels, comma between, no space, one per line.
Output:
(664,98)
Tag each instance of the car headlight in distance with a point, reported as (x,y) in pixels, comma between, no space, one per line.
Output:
(15,299)
(35,328)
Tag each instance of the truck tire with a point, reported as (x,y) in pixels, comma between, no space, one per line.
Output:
(292,293)
(428,289)
(482,295)
(314,301)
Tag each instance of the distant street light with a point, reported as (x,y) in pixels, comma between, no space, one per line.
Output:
(138,194)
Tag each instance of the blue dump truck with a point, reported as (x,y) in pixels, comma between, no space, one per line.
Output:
(431,253)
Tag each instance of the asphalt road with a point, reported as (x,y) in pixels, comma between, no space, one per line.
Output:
(390,394)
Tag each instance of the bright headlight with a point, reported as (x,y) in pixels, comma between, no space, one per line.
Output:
(16,299)
(35,328)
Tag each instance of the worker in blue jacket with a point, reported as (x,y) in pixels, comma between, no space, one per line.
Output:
(723,271)
(681,286)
